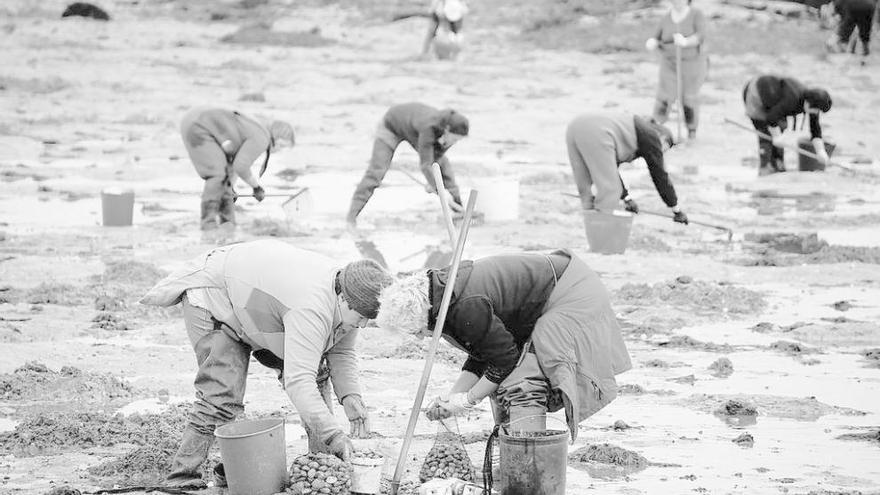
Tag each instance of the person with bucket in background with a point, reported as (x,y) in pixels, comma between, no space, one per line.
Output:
(538,329)
(292,309)
(599,143)
(223,144)
(431,132)
(770,100)
(680,39)
(446,17)
(852,14)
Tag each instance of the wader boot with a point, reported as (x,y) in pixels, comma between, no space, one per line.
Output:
(227,210)
(779,159)
(185,467)
(690,119)
(765,157)
(210,211)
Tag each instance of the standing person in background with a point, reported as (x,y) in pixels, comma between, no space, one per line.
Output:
(682,29)
(770,100)
(853,14)
(225,143)
(599,143)
(448,14)
(430,132)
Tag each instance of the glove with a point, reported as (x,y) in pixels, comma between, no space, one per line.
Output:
(651,44)
(259,193)
(434,412)
(340,445)
(823,155)
(356,412)
(454,205)
(630,205)
(680,40)
(680,217)
(456,404)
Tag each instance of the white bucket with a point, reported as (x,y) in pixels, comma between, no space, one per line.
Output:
(117,207)
(498,199)
(366,475)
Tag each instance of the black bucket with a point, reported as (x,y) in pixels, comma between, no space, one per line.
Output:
(808,163)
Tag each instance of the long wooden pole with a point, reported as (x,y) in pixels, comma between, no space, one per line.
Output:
(442,193)
(435,341)
(794,148)
(680,90)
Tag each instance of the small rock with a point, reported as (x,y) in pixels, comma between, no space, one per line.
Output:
(842,305)
(684,279)
(722,367)
(744,440)
(619,425)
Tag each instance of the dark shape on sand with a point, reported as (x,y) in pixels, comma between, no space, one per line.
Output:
(85,9)
(744,440)
(63,490)
(737,408)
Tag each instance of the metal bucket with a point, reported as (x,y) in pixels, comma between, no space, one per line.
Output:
(533,463)
(254,456)
(607,233)
(366,475)
(808,163)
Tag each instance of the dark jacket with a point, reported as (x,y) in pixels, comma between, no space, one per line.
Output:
(783,97)
(421,126)
(650,148)
(495,304)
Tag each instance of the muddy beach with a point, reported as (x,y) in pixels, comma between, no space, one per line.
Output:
(756,361)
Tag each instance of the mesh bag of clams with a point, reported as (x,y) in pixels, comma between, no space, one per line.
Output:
(319,474)
(447,457)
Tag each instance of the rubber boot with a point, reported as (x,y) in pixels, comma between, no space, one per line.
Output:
(185,467)
(227,210)
(210,211)
(690,119)
(765,158)
(661,111)
(779,159)
(524,419)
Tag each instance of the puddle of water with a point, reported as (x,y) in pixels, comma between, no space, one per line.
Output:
(7,425)
(862,237)
(150,406)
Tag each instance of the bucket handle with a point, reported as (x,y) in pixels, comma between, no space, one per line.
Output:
(488,481)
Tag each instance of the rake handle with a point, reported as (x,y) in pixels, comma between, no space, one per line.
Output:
(435,341)
(794,148)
